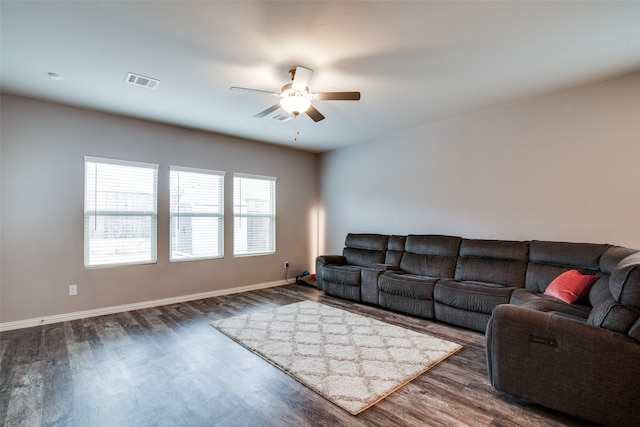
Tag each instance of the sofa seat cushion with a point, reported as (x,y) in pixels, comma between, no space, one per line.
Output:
(407,285)
(520,297)
(479,297)
(347,275)
(555,306)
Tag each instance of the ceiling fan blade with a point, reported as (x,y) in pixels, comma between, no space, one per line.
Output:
(267,111)
(301,79)
(315,115)
(337,96)
(244,89)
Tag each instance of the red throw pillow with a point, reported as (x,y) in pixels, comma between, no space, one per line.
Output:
(570,286)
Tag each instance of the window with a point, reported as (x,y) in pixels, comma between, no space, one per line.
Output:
(197,214)
(120,212)
(254,215)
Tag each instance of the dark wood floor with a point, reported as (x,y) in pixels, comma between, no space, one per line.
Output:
(166,366)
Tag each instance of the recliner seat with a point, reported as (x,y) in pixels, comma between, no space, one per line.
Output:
(486,274)
(341,276)
(426,259)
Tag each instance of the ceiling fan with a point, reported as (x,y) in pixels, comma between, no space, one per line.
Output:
(296,98)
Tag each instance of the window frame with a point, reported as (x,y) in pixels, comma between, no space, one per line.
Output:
(88,213)
(272,215)
(220,215)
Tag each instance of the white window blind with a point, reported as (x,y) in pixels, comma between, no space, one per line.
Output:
(254,215)
(120,212)
(197,214)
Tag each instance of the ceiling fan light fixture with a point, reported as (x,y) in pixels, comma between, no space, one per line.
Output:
(295,103)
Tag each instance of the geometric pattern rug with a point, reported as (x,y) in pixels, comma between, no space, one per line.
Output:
(351,360)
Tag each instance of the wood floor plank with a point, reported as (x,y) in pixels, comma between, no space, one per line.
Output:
(168,366)
(24,405)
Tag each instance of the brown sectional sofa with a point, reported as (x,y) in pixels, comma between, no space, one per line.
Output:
(582,359)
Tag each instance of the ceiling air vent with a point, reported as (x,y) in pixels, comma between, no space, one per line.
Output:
(281,118)
(137,79)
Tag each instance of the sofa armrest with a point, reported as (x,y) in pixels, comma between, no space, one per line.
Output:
(582,370)
(322,261)
(369,290)
(331,259)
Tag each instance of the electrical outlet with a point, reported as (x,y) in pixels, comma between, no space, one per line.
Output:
(73,289)
(286,264)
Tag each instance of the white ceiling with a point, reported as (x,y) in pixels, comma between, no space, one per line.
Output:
(414,62)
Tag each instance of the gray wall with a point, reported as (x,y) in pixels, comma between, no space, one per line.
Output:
(562,167)
(42,170)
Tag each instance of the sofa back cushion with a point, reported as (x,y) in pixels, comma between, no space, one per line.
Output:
(547,260)
(395,249)
(374,242)
(612,257)
(365,249)
(620,312)
(625,281)
(493,261)
(430,255)
(601,291)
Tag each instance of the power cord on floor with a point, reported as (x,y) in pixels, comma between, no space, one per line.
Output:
(286,272)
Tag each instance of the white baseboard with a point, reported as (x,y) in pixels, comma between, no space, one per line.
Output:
(27,323)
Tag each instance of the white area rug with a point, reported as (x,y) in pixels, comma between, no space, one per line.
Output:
(351,360)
